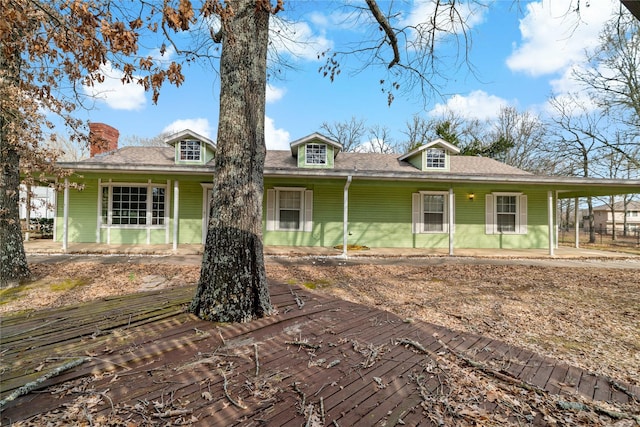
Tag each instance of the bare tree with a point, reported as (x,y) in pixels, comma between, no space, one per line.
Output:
(348,133)
(612,78)
(578,136)
(380,141)
(418,131)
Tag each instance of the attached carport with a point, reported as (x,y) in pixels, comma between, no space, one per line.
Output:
(580,188)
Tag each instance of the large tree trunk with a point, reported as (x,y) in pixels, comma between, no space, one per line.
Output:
(233,284)
(13,261)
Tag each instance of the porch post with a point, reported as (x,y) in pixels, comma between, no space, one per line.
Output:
(550,221)
(175,216)
(345,218)
(451,219)
(99,213)
(65,221)
(558,220)
(577,223)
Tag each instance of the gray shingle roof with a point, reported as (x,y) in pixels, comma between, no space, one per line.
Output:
(282,160)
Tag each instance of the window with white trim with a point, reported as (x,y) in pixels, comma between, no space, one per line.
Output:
(506,213)
(316,154)
(190,150)
(289,209)
(430,212)
(632,214)
(131,205)
(436,158)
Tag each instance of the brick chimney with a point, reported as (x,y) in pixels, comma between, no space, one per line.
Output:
(102,138)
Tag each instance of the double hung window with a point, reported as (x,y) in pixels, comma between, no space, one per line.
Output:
(289,209)
(430,212)
(133,205)
(506,213)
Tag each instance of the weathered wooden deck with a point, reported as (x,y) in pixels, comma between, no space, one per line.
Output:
(344,363)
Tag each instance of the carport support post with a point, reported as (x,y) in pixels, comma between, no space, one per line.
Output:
(576,221)
(345,219)
(550,221)
(65,221)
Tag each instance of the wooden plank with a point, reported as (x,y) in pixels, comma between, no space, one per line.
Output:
(587,384)
(556,378)
(602,389)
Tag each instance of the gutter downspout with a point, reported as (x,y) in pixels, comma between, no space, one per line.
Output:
(345,219)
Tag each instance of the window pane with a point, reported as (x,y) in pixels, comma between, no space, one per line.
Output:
(105,204)
(289,220)
(506,204)
(506,222)
(190,150)
(129,205)
(433,222)
(157,213)
(290,207)
(435,158)
(316,154)
(506,211)
(433,212)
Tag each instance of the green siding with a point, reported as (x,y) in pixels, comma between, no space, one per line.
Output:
(83,214)
(380,214)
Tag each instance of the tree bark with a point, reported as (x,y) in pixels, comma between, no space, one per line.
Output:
(13,261)
(233,284)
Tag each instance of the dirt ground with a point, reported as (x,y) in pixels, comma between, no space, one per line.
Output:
(588,317)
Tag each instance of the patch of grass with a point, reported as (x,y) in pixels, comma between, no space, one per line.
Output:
(67,285)
(11,294)
(353,247)
(320,283)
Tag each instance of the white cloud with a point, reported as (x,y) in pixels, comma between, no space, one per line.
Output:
(274,93)
(275,139)
(297,39)
(477,105)
(555,37)
(200,126)
(114,93)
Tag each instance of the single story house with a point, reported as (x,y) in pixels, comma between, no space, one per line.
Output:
(317,195)
(603,217)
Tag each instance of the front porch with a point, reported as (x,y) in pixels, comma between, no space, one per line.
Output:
(35,247)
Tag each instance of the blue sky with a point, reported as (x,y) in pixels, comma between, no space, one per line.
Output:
(520,58)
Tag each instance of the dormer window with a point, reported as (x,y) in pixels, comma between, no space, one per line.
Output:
(435,159)
(316,154)
(190,150)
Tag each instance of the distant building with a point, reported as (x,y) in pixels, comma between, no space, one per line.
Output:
(43,201)
(603,218)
